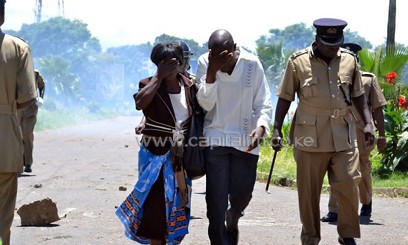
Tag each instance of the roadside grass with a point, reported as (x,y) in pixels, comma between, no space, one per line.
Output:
(284,168)
(284,172)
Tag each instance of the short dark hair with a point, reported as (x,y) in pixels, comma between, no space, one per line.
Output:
(167,50)
(221,39)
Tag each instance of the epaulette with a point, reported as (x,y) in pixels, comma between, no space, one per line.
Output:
(367,74)
(19,38)
(298,53)
(344,50)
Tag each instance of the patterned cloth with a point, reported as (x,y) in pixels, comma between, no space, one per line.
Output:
(130,211)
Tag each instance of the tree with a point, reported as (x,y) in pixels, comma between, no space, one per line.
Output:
(59,37)
(61,83)
(135,60)
(273,61)
(293,37)
(72,60)
(195,47)
(354,37)
(392,13)
(274,49)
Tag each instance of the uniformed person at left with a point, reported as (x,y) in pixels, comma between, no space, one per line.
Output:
(327,80)
(28,119)
(17,91)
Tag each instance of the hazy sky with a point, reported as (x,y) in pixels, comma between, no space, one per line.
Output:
(122,22)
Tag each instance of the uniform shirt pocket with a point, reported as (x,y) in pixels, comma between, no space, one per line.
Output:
(309,87)
(305,133)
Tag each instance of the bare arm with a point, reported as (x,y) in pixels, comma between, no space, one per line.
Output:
(215,62)
(144,97)
(42,91)
(281,109)
(41,85)
(146,94)
(378,117)
(362,108)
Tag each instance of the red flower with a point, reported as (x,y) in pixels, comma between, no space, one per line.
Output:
(402,102)
(391,77)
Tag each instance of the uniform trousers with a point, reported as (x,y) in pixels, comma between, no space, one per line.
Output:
(365,186)
(8,195)
(231,174)
(27,125)
(342,168)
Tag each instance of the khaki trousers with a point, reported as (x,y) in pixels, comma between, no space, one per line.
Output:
(365,187)
(342,168)
(27,125)
(8,195)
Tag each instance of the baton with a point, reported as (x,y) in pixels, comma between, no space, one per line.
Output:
(270,171)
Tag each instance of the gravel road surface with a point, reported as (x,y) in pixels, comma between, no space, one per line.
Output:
(81,169)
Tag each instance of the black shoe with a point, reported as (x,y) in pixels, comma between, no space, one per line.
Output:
(329,217)
(232,228)
(347,241)
(366,209)
(27,169)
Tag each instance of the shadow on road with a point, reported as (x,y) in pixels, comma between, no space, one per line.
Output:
(366,220)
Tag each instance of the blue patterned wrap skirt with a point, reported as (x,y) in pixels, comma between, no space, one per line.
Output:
(130,212)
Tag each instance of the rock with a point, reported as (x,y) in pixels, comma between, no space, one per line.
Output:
(122,188)
(38,213)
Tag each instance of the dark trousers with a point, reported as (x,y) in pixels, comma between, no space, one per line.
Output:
(27,125)
(231,174)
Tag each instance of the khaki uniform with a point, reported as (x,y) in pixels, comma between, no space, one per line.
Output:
(375,100)
(28,118)
(324,137)
(16,86)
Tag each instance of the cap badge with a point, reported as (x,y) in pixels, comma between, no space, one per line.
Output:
(331,31)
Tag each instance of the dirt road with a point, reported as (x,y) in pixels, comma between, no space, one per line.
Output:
(81,169)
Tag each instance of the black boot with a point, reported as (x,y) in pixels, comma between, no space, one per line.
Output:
(330,217)
(347,241)
(27,169)
(366,209)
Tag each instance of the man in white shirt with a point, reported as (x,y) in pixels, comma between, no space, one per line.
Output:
(235,95)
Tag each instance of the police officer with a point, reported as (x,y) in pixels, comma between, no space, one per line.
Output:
(187,55)
(326,80)
(28,119)
(375,101)
(17,91)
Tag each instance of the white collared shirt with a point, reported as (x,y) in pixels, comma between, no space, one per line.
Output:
(236,104)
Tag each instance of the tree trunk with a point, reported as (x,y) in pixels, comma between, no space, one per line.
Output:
(392,12)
